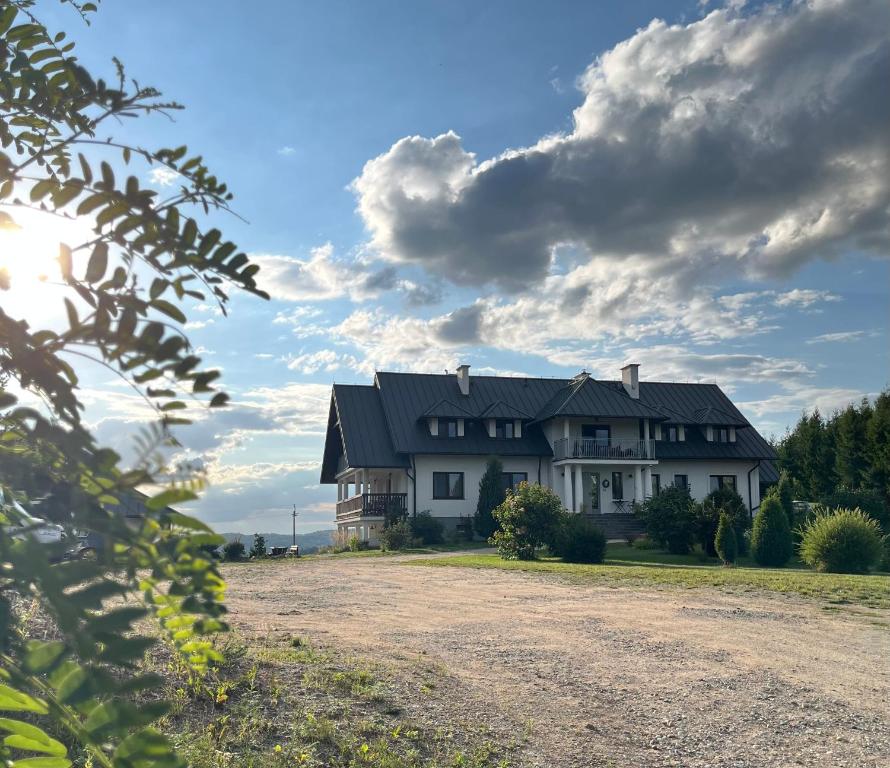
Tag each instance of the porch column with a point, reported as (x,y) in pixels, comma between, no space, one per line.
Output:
(638,484)
(647,482)
(579,490)
(365,485)
(567,497)
(646,438)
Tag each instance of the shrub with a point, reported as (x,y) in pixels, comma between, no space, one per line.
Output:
(234,550)
(842,541)
(529,517)
(725,544)
(669,518)
(579,540)
(885,558)
(868,501)
(427,529)
(723,501)
(259,546)
(397,536)
(771,543)
(355,543)
(785,491)
(463,531)
(491,495)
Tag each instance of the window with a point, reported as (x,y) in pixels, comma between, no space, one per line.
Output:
(448,485)
(617,485)
(670,433)
(503,428)
(510,480)
(722,481)
(656,485)
(681,481)
(598,432)
(447,427)
(721,434)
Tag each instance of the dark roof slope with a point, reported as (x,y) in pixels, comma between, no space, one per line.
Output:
(588,397)
(406,397)
(447,410)
(748,445)
(362,431)
(502,410)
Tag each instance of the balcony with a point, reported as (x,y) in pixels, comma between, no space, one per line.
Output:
(603,449)
(372,505)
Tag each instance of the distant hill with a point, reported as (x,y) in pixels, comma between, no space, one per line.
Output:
(309,542)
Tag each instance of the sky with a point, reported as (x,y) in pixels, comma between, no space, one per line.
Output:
(529,188)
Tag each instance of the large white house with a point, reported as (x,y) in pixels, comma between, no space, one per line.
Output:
(421,442)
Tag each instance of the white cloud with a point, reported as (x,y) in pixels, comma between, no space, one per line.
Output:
(836,337)
(746,140)
(327,360)
(286,151)
(163,177)
(804,297)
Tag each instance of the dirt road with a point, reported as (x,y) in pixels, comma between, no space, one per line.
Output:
(592,675)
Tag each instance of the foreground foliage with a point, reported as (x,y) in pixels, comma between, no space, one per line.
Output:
(725,542)
(623,567)
(122,295)
(723,501)
(842,541)
(670,519)
(578,540)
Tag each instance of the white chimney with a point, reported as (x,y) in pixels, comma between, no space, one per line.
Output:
(630,377)
(463,379)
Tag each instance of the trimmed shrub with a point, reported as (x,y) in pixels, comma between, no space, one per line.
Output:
(723,501)
(491,495)
(579,540)
(669,518)
(427,529)
(725,544)
(868,501)
(785,491)
(396,536)
(528,518)
(842,541)
(771,543)
(234,550)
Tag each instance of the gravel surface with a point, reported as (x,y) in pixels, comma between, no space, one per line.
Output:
(577,675)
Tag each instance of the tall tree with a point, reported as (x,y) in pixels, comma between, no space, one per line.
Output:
(491,495)
(851,444)
(878,435)
(124,289)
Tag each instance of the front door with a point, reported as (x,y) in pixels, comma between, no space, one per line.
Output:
(591,485)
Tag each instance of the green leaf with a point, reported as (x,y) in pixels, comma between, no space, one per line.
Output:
(42,762)
(168,497)
(98,263)
(27,736)
(219,400)
(169,309)
(42,656)
(12,700)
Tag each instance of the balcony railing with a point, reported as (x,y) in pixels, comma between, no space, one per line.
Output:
(373,505)
(602,448)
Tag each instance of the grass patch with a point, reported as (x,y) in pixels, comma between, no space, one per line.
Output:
(282,702)
(625,564)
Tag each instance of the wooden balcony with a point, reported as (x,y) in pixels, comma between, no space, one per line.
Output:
(603,448)
(372,505)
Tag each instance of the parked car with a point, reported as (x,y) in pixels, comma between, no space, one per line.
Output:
(26,524)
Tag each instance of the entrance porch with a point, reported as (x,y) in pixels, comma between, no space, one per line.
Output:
(589,487)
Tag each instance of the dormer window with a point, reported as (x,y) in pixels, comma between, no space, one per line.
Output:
(721,434)
(670,433)
(504,428)
(448,428)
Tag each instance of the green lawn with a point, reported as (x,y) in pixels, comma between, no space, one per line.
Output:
(626,564)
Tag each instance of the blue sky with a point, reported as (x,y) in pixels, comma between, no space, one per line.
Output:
(498,221)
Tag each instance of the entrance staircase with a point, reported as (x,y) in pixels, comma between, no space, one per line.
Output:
(618,527)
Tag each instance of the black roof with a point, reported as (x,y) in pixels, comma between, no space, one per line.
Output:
(381,425)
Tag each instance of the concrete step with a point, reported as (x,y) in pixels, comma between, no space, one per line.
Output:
(618,527)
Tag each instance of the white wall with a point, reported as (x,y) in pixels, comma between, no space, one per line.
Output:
(699,473)
(621,429)
(473,468)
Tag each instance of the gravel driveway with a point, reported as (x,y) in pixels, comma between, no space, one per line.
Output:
(579,675)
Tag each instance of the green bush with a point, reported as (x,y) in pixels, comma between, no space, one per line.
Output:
(771,543)
(397,536)
(785,491)
(842,541)
(528,518)
(669,518)
(355,544)
(491,495)
(427,529)
(234,550)
(885,558)
(868,501)
(725,544)
(579,541)
(258,549)
(723,501)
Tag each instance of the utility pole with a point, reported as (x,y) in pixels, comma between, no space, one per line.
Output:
(294,518)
